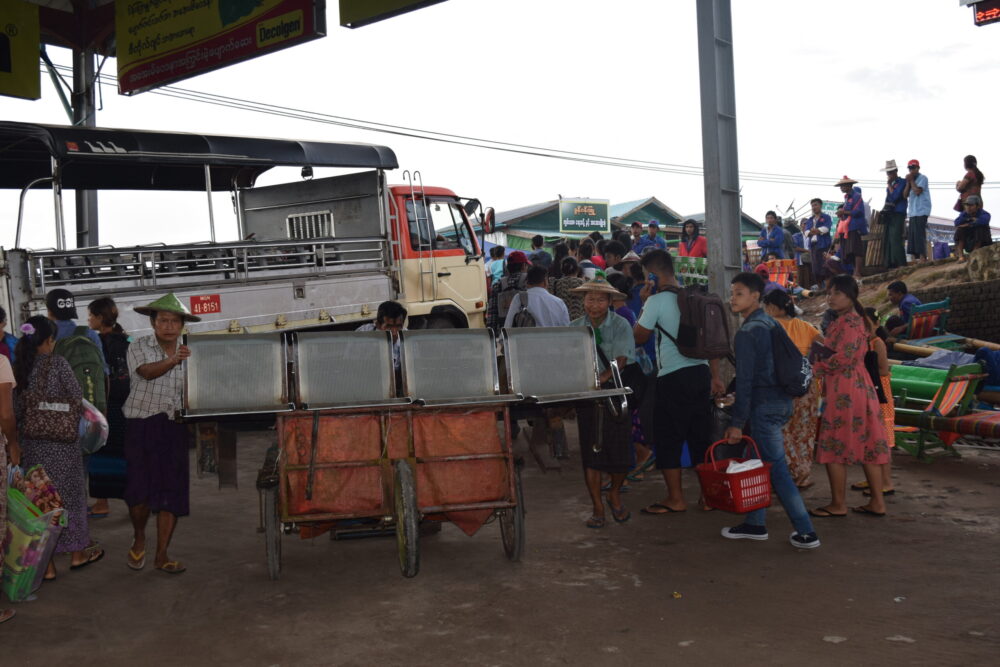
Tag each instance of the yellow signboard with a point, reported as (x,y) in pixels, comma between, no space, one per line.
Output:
(20,75)
(356,13)
(160,41)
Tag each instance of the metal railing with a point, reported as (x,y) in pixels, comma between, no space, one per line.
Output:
(150,267)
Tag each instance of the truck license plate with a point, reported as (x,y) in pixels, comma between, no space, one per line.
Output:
(206,304)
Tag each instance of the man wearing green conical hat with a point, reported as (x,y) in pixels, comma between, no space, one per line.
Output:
(156,447)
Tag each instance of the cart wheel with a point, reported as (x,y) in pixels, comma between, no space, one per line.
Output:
(512,523)
(272,532)
(407,519)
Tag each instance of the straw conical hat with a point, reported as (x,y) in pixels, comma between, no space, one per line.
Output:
(599,284)
(846,180)
(168,304)
(631,256)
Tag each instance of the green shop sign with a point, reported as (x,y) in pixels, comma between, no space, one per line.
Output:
(583,216)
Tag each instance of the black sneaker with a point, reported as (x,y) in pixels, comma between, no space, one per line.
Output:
(807,541)
(745,531)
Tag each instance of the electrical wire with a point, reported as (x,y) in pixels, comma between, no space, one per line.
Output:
(224,101)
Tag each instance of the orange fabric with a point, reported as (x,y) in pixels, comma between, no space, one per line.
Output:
(358,491)
(888,408)
(801,332)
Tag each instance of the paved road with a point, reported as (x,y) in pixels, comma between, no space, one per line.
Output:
(918,587)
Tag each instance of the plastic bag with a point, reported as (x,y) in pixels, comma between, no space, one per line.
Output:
(93,429)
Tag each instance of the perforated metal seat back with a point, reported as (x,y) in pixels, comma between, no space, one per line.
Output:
(233,374)
(443,364)
(337,367)
(551,360)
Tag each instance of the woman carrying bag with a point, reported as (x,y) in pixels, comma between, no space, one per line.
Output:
(9,450)
(48,405)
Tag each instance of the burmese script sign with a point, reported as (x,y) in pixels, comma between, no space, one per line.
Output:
(163,41)
(583,216)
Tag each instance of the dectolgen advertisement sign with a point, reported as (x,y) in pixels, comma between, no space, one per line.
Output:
(162,41)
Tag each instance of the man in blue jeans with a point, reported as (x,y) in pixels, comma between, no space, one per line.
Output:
(767,407)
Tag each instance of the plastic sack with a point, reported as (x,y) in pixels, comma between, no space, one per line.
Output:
(93,428)
(31,540)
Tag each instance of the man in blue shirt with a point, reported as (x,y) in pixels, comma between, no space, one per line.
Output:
(767,407)
(972,227)
(817,240)
(853,248)
(894,214)
(772,237)
(651,241)
(918,207)
(899,296)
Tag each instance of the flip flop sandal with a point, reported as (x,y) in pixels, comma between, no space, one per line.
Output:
(171,567)
(859,486)
(97,515)
(660,508)
(865,510)
(92,558)
(595,522)
(136,561)
(6,615)
(619,514)
(823,513)
(607,487)
(885,492)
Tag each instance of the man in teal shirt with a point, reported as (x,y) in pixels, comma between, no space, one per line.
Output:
(684,386)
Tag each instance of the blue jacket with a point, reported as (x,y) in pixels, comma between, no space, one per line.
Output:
(755,379)
(657,243)
(823,240)
(855,205)
(11,341)
(772,240)
(982,219)
(894,195)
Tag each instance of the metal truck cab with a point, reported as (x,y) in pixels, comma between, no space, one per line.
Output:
(439,256)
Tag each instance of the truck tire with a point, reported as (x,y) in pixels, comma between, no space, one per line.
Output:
(439,322)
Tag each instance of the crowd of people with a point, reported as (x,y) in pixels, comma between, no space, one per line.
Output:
(823,248)
(52,366)
(631,302)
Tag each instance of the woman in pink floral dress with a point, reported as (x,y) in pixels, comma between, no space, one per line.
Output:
(851,430)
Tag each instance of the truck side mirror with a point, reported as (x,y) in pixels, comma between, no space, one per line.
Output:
(489,218)
(471,206)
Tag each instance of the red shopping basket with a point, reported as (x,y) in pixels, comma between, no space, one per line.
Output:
(739,492)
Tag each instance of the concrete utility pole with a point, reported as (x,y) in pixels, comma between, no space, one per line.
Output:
(718,139)
(85,115)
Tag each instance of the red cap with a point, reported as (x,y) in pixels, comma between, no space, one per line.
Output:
(517,257)
(913,163)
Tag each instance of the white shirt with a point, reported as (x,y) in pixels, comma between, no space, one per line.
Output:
(547,309)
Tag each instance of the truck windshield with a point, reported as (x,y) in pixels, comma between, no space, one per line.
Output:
(445,218)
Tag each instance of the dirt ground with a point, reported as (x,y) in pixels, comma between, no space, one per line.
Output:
(918,587)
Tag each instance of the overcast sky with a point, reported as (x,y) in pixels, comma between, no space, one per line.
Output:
(823,88)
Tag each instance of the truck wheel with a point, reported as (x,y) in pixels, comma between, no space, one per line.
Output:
(407,519)
(439,322)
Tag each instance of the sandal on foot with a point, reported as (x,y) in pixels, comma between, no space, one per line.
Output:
(136,559)
(6,615)
(859,486)
(824,513)
(619,514)
(885,492)
(660,508)
(595,522)
(171,567)
(91,514)
(865,510)
(92,557)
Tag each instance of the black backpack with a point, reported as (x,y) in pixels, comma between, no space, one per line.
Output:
(704,327)
(523,316)
(792,370)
